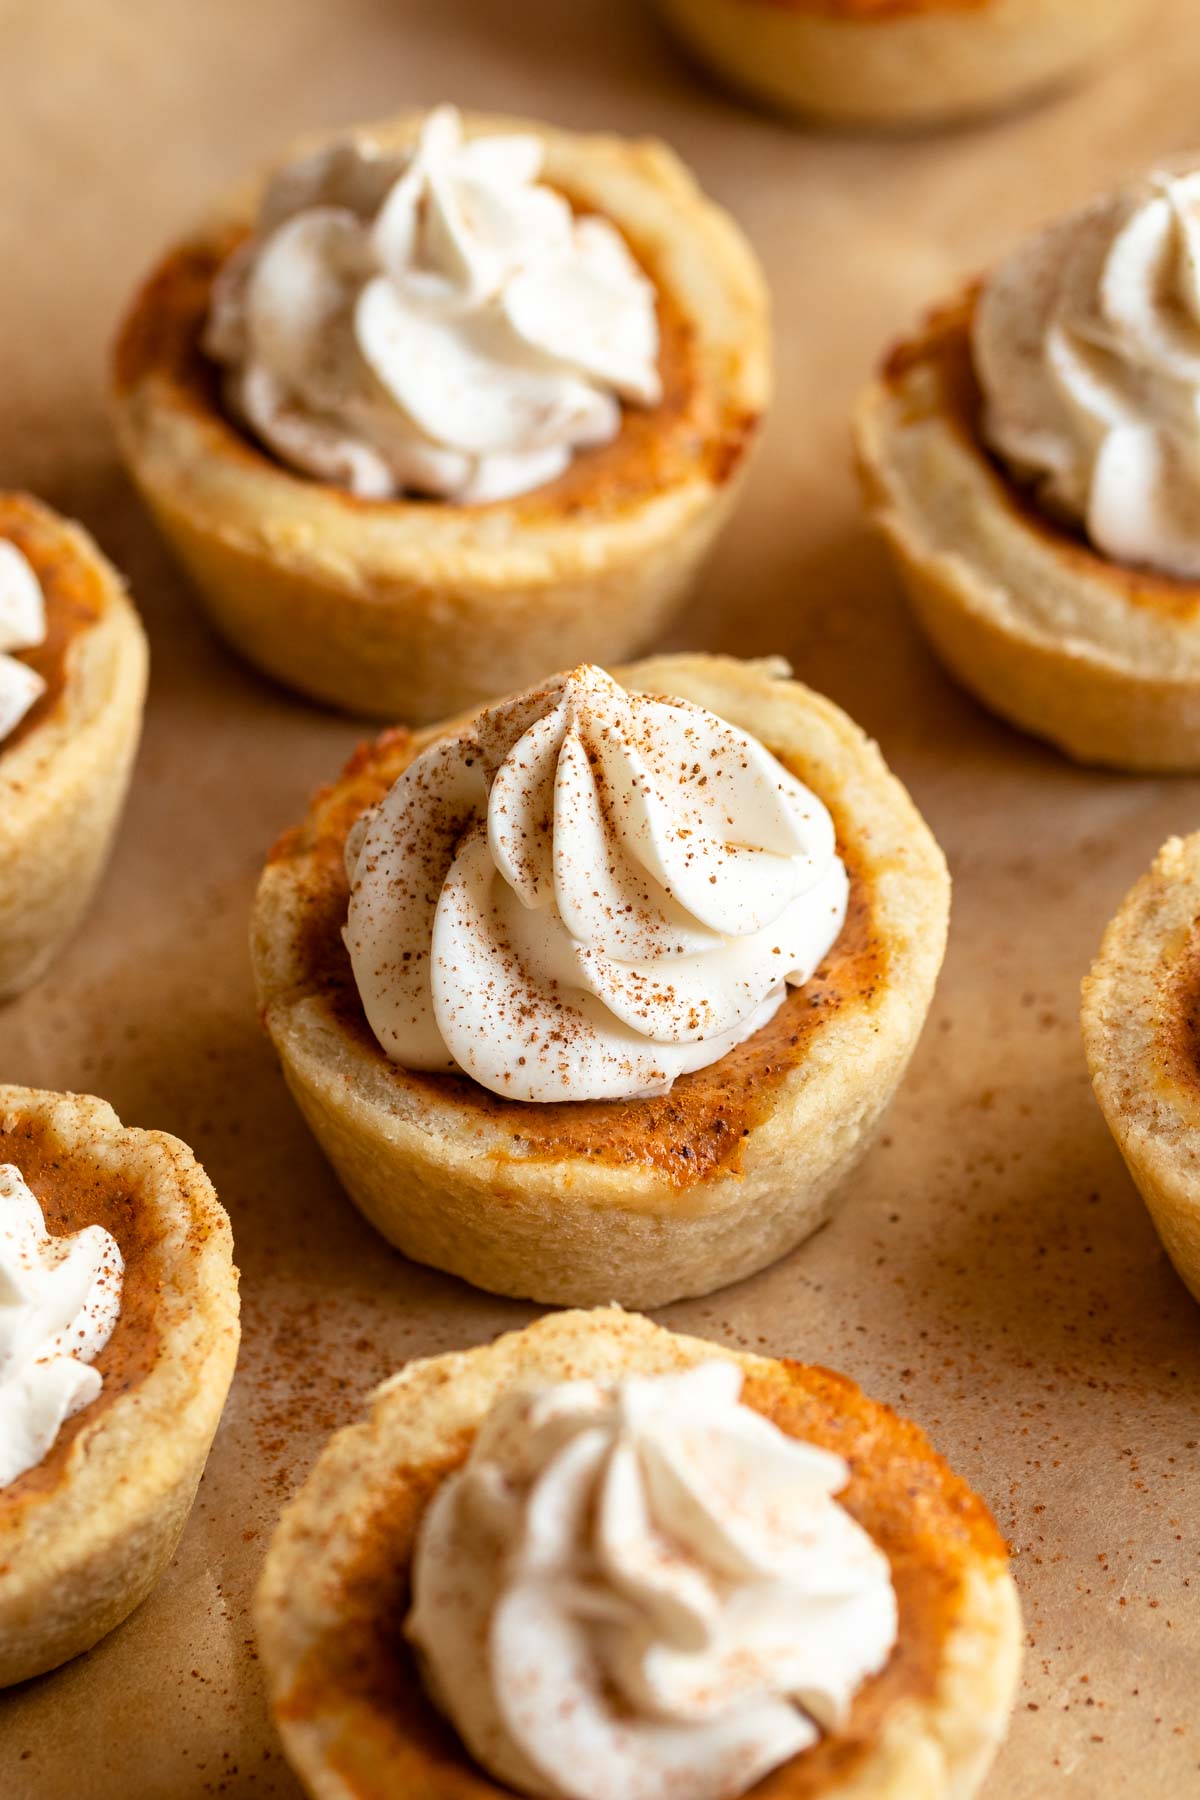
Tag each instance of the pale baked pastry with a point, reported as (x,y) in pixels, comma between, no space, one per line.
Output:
(1141,1032)
(900,63)
(1030,459)
(637,1199)
(653,378)
(71,694)
(101,1449)
(920,1568)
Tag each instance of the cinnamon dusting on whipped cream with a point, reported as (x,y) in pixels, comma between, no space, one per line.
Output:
(587,893)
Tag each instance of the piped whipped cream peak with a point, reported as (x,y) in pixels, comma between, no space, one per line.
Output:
(587,893)
(435,321)
(644,1589)
(60,1298)
(22,626)
(1087,347)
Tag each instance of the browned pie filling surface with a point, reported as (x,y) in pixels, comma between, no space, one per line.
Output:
(361,1677)
(943,348)
(656,447)
(696,1130)
(870,11)
(73,1192)
(1179,1032)
(74,596)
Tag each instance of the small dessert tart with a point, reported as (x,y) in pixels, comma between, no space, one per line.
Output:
(118,1337)
(445,405)
(72,683)
(1141,1031)
(900,63)
(595,1559)
(1031,460)
(600,994)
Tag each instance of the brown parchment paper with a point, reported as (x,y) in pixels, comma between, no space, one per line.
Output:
(992,1271)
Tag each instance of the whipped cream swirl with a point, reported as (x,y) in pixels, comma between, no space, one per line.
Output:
(22,625)
(657,1543)
(1087,347)
(436,321)
(587,893)
(60,1298)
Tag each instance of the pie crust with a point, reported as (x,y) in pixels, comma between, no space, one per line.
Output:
(1101,659)
(344,1688)
(639,1201)
(65,769)
(1141,1031)
(415,609)
(899,63)
(86,1533)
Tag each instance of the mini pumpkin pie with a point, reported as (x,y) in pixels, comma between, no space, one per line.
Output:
(602,993)
(1141,1031)
(445,405)
(596,1560)
(118,1336)
(72,682)
(900,63)
(1033,461)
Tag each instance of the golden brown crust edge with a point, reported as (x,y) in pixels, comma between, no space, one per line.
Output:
(63,785)
(1101,661)
(899,63)
(938,1746)
(577,1231)
(91,1548)
(416,611)
(1143,1050)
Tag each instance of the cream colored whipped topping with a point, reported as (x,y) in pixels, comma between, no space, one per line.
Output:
(1087,347)
(60,1298)
(436,321)
(587,893)
(22,625)
(658,1541)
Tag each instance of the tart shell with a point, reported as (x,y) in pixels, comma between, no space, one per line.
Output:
(415,609)
(899,63)
(346,1694)
(83,1544)
(1100,659)
(1141,1032)
(639,1202)
(65,772)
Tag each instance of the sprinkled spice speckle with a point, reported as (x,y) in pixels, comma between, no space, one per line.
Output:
(710,1112)
(586,894)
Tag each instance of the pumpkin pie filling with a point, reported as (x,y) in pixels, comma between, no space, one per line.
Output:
(74,1192)
(929,1525)
(940,353)
(656,447)
(695,1131)
(73,592)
